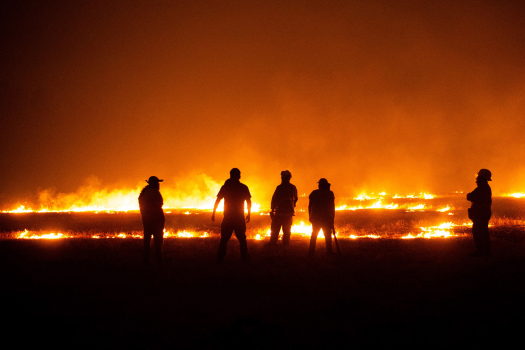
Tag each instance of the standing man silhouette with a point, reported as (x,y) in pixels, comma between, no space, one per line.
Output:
(480,213)
(235,194)
(150,204)
(284,200)
(321,210)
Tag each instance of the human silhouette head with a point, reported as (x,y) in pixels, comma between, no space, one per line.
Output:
(153,181)
(484,174)
(235,174)
(286,176)
(323,184)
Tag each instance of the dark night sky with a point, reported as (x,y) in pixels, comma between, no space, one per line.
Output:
(402,96)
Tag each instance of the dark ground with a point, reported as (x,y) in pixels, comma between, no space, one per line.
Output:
(419,293)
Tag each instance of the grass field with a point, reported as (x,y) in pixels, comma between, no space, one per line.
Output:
(379,222)
(386,292)
(419,293)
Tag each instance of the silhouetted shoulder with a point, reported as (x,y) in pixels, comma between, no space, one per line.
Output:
(321,194)
(234,189)
(481,196)
(150,199)
(284,199)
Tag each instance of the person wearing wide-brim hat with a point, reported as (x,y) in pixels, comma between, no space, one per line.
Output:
(150,203)
(321,210)
(480,212)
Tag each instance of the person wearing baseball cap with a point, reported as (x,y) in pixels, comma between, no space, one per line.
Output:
(150,204)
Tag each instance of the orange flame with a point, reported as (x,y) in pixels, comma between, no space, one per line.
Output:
(441,231)
(516,195)
(199,193)
(444,230)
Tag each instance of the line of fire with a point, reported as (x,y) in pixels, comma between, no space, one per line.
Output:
(115,214)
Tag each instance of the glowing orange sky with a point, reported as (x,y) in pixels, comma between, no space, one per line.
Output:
(373,95)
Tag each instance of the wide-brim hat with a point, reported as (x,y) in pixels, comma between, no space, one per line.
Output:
(323,181)
(153,179)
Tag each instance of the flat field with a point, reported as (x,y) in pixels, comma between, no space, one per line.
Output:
(417,293)
(83,292)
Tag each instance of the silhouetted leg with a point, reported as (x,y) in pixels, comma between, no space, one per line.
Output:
(240,233)
(158,238)
(327,231)
(287,229)
(275,228)
(486,236)
(147,242)
(226,233)
(481,237)
(477,235)
(313,239)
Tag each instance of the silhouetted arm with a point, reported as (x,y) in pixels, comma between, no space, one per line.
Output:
(332,209)
(217,201)
(273,204)
(474,195)
(249,205)
(310,208)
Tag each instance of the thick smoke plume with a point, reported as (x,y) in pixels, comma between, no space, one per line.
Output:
(396,96)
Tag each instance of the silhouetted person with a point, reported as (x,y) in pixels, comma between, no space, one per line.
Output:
(480,213)
(321,210)
(283,204)
(234,194)
(150,203)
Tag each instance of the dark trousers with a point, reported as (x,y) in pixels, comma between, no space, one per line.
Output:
(281,221)
(155,229)
(327,231)
(480,233)
(229,226)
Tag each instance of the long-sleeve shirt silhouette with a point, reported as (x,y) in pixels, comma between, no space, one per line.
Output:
(322,207)
(284,199)
(150,203)
(481,199)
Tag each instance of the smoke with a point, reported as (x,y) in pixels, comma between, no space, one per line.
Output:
(373,95)
(192,191)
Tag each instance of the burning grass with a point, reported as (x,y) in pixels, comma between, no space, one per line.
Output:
(380,228)
(374,223)
(398,258)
